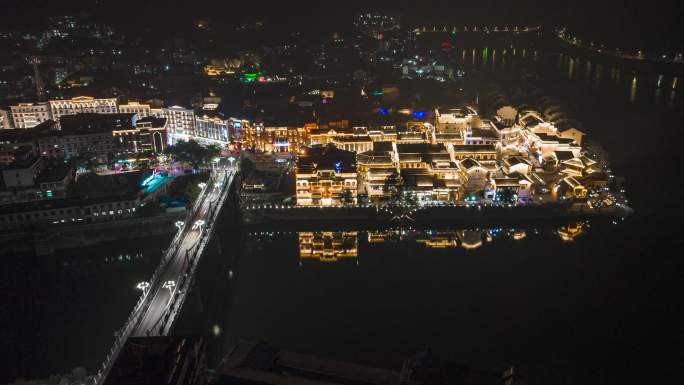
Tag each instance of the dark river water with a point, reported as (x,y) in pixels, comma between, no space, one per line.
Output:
(605,307)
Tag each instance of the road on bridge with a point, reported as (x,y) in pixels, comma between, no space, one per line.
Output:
(158,309)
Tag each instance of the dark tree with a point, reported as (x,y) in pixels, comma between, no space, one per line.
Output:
(194,153)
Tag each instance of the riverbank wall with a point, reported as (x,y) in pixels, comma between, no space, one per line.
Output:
(47,241)
(425,216)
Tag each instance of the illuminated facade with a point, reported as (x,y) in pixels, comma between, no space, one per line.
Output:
(5,119)
(326,176)
(378,173)
(218,70)
(572,188)
(458,118)
(484,153)
(354,139)
(143,110)
(212,130)
(180,123)
(429,172)
(28,115)
(149,135)
(82,105)
(276,138)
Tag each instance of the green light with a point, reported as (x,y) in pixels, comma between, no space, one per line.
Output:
(250,77)
(49,193)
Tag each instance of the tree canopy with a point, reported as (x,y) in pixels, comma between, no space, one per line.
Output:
(194,153)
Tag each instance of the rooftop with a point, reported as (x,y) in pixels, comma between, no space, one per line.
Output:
(475,148)
(553,138)
(420,148)
(483,133)
(96,123)
(382,146)
(55,172)
(469,163)
(326,158)
(92,185)
(23,163)
(564,155)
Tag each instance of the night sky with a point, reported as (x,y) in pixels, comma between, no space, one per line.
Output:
(627,24)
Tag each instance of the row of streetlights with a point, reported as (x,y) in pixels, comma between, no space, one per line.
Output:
(144,286)
(170,284)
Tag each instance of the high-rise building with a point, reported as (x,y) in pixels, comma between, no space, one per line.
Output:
(212,129)
(180,123)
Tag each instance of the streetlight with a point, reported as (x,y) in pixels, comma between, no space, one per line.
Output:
(143,286)
(198,224)
(202,185)
(179,224)
(169,285)
(231,159)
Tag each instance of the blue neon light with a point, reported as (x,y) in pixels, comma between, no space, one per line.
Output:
(419,114)
(384,111)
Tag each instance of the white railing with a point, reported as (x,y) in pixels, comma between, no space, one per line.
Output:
(122,335)
(213,211)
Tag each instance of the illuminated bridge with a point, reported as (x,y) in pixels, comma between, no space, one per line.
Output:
(165,293)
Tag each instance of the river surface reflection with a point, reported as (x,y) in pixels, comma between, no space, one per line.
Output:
(541,297)
(337,246)
(60,311)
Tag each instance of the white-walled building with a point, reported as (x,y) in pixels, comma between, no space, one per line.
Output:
(212,129)
(80,105)
(180,123)
(454,118)
(5,119)
(143,110)
(29,115)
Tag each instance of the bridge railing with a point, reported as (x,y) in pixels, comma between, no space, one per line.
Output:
(122,335)
(184,286)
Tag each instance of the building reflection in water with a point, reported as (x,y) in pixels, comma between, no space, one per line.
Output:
(570,232)
(633,90)
(328,246)
(336,246)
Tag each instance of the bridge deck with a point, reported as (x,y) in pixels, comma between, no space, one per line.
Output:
(157,310)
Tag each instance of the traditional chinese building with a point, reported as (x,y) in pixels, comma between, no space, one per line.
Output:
(326,176)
